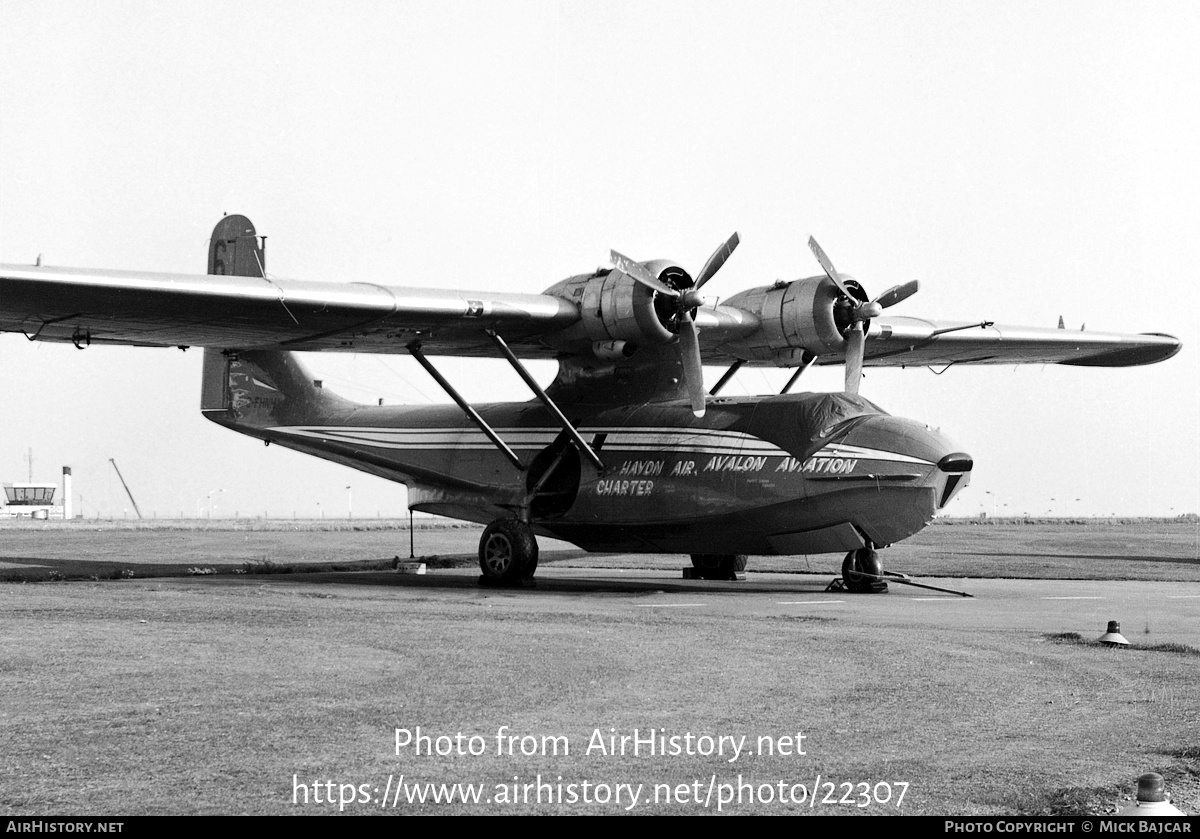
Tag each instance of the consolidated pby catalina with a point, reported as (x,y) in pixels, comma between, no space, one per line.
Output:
(625,450)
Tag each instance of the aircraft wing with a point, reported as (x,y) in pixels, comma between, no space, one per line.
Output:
(907,341)
(87,306)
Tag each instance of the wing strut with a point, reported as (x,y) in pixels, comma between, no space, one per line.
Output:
(415,349)
(724,380)
(796,375)
(572,432)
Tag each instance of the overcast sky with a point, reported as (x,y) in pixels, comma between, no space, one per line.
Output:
(1023,160)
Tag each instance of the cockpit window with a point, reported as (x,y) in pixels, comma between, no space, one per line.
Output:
(803,422)
(829,410)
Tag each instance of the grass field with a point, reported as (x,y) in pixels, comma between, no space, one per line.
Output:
(236,692)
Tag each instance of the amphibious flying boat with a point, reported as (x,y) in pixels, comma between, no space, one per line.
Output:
(624,451)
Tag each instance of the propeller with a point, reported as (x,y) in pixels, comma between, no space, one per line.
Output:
(859,311)
(687,300)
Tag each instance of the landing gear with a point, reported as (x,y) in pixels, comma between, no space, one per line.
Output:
(508,552)
(719,566)
(862,571)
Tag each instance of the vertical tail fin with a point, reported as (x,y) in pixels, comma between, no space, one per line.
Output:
(257,388)
(234,250)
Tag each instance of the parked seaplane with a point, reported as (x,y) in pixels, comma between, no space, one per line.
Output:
(624,451)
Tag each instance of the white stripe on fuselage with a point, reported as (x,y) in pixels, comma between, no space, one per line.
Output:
(842,450)
(649,439)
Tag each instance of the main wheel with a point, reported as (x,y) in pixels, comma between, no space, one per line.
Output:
(862,571)
(719,566)
(508,551)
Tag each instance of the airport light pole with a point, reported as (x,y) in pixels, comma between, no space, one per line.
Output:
(210,495)
(349,503)
(989,492)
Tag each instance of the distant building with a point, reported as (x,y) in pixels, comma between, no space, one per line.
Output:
(30,501)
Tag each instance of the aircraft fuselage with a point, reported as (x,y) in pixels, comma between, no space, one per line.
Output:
(802,473)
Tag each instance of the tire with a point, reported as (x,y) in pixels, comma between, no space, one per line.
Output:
(719,566)
(861,571)
(508,552)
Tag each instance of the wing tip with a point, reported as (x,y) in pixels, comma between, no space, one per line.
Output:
(1161,348)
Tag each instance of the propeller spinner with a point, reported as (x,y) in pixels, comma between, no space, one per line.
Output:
(861,311)
(686,301)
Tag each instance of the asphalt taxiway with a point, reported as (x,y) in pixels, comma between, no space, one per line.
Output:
(1149,612)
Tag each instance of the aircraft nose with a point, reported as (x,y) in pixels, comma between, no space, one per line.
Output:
(905,452)
(908,441)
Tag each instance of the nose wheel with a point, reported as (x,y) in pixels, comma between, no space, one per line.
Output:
(862,572)
(508,553)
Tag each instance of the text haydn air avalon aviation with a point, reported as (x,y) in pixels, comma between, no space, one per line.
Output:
(624,451)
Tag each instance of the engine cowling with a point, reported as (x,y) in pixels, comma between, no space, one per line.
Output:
(617,311)
(802,318)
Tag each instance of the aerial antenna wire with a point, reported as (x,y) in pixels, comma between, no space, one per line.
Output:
(282,302)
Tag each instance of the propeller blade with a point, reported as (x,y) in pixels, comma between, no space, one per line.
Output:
(830,271)
(855,349)
(716,261)
(689,354)
(639,273)
(897,293)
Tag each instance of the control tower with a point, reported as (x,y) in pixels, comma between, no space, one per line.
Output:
(36,501)
(30,501)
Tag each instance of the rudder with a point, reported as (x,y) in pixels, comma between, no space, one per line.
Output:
(234,250)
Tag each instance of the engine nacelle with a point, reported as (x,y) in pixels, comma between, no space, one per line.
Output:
(799,318)
(618,314)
